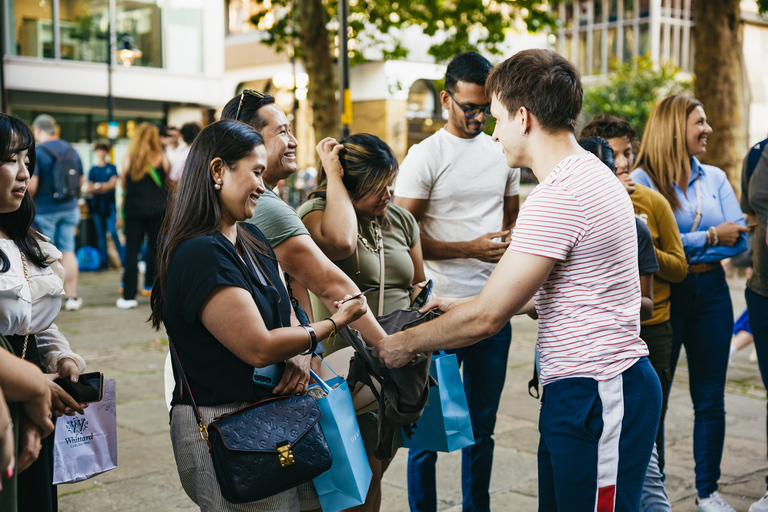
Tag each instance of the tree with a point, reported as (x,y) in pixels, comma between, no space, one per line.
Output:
(305,27)
(719,84)
(632,91)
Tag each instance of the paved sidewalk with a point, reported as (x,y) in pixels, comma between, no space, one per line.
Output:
(123,346)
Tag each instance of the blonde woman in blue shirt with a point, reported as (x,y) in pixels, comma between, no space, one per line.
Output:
(712,228)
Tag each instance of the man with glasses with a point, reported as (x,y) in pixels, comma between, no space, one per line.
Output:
(459,187)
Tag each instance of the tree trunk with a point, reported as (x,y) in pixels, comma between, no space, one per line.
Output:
(719,84)
(316,54)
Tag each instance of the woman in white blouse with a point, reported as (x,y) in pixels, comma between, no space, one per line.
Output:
(31,286)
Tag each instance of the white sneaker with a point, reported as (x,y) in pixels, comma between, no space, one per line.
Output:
(73,304)
(715,503)
(126,304)
(760,506)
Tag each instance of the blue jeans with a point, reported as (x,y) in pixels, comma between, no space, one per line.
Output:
(485,368)
(106,224)
(758,321)
(60,227)
(702,320)
(654,497)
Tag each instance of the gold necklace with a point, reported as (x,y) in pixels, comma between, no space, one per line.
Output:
(379,239)
(26,276)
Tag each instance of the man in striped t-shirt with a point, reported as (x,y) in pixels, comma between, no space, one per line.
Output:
(573,257)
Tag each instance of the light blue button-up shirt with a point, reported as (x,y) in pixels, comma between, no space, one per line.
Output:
(718,205)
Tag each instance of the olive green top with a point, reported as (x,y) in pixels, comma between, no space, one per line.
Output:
(399,235)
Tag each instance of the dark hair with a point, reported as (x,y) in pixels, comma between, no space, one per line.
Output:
(249,112)
(103,145)
(15,136)
(608,127)
(194,209)
(189,131)
(470,67)
(542,81)
(601,149)
(369,166)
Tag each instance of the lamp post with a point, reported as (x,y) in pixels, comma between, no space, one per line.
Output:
(112,128)
(346,97)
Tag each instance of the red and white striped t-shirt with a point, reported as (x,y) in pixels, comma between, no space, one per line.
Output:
(589,306)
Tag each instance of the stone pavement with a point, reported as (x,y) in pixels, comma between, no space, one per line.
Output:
(123,346)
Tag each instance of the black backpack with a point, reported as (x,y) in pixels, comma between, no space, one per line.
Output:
(65,176)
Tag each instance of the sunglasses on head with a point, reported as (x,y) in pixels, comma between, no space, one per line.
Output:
(249,92)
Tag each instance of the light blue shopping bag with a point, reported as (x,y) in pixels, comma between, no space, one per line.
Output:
(346,484)
(444,425)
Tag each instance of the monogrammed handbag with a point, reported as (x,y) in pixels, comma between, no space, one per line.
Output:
(266,447)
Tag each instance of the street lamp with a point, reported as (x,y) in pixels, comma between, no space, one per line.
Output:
(128,51)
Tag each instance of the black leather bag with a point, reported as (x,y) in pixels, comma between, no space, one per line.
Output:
(266,447)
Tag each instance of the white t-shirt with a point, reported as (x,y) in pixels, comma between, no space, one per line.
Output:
(589,306)
(465,181)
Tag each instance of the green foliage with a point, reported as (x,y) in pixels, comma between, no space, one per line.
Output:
(633,90)
(762,5)
(375,23)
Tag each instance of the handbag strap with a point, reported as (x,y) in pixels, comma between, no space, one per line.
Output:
(185,384)
(381,276)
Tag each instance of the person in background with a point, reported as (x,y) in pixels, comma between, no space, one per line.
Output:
(101,184)
(653,210)
(712,228)
(188,133)
(458,186)
(754,203)
(357,232)
(57,219)
(221,298)
(31,285)
(144,173)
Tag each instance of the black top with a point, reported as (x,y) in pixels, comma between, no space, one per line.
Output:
(646,256)
(144,198)
(216,376)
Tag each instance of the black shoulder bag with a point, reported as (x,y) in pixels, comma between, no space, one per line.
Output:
(264,448)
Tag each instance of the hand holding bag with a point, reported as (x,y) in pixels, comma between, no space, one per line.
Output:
(346,484)
(266,447)
(86,445)
(445,425)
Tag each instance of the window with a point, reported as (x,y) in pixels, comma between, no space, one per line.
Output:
(139,26)
(32,30)
(184,36)
(83,27)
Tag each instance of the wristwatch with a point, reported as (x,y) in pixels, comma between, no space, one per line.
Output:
(97,186)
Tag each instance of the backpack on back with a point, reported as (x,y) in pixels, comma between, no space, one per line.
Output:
(65,177)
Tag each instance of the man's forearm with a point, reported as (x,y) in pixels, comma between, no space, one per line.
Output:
(440,250)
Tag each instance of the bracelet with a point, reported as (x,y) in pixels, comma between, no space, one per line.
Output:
(335,327)
(312,339)
(715,239)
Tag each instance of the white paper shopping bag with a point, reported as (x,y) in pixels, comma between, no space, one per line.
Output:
(86,445)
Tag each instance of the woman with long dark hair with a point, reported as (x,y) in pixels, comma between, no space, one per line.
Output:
(712,228)
(144,179)
(359,231)
(219,293)
(31,286)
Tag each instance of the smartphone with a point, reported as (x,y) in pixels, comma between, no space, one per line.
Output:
(88,388)
(268,376)
(423,296)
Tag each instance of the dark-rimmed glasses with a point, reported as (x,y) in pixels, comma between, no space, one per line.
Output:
(469,112)
(255,94)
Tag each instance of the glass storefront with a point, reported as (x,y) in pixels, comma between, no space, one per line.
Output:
(31,31)
(159,33)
